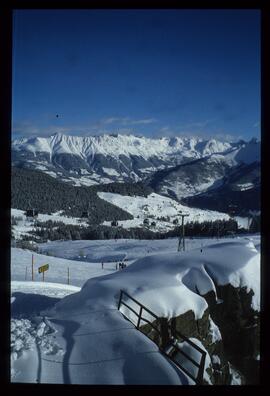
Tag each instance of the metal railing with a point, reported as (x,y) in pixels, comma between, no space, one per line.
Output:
(139,315)
(199,378)
(168,337)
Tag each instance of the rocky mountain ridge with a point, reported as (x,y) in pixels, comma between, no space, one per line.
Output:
(112,158)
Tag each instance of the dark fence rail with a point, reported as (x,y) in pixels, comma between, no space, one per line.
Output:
(168,337)
(199,378)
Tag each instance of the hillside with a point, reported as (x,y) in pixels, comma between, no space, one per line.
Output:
(216,181)
(160,211)
(34,189)
(241,188)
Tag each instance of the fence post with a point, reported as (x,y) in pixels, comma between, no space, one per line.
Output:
(139,318)
(164,332)
(201,369)
(120,299)
(68,276)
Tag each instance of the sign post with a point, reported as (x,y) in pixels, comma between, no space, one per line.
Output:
(42,270)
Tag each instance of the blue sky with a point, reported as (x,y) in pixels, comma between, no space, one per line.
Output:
(149,72)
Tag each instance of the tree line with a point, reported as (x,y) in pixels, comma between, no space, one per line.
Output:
(52,230)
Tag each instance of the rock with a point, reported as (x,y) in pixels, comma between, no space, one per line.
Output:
(229,330)
(239,326)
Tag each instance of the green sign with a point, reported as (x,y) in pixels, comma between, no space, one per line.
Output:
(43,268)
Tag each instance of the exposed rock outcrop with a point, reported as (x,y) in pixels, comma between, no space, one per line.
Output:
(230,332)
(239,326)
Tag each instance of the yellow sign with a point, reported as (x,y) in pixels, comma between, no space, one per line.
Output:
(43,268)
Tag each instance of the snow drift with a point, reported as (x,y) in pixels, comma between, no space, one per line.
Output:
(171,284)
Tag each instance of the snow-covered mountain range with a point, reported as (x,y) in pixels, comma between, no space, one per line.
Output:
(110,158)
(181,168)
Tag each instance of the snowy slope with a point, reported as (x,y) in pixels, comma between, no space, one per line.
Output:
(84,258)
(84,339)
(79,269)
(112,251)
(155,205)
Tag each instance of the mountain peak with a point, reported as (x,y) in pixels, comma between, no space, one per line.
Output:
(57,134)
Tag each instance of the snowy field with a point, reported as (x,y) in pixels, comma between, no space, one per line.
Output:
(79,271)
(84,258)
(74,333)
(108,251)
